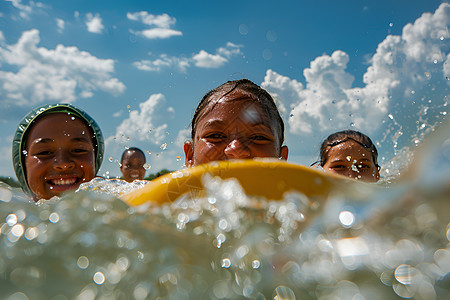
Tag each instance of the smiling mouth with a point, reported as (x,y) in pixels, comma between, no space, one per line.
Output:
(63,184)
(61,181)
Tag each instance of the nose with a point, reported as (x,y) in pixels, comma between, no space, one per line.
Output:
(237,149)
(62,162)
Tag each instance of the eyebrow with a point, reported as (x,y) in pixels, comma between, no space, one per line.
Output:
(47,140)
(220,123)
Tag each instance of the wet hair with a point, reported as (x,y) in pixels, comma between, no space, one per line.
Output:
(343,136)
(131,149)
(249,89)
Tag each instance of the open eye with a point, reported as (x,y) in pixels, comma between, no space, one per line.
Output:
(338,168)
(43,153)
(80,151)
(363,167)
(259,138)
(215,136)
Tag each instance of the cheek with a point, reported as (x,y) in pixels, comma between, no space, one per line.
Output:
(205,151)
(88,167)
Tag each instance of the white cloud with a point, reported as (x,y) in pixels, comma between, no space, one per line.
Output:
(161,25)
(157,33)
(45,75)
(140,125)
(163,61)
(94,23)
(60,24)
(183,135)
(206,60)
(202,59)
(403,70)
(26,10)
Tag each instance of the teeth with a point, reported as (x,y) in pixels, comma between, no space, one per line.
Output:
(61,181)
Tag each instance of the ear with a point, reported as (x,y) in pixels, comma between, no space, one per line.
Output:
(188,154)
(284,152)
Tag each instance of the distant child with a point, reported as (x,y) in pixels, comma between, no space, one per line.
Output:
(352,154)
(132,164)
(236,120)
(56,148)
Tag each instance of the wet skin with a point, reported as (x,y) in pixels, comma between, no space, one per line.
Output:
(234,129)
(132,166)
(60,155)
(352,160)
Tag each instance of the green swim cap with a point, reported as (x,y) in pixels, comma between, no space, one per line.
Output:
(20,137)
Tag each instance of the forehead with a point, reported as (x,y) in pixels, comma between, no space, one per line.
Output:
(235,105)
(57,125)
(129,155)
(349,148)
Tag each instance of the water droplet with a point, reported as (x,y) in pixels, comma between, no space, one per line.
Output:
(435,61)
(111,159)
(391,116)
(163,146)
(83,262)
(99,278)
(147,166)
(243,29)
(54,217)
(226,263)
(352,124)
(413,92)
(391,24)
(149,152)
(349,158)
(72,118)
(24,152)
(283,293)
(291,115)
(17,230)
(11,220)
(441,38)
(256,264)
(333,101)
(427,74)
(178,158)
(346,218)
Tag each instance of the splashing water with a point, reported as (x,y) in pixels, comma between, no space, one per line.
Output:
(381,241)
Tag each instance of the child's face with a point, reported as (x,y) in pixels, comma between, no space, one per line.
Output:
(133,166)
(352,160)
(60,155)
(234,129)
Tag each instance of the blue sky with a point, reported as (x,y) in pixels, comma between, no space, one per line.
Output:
(140,67)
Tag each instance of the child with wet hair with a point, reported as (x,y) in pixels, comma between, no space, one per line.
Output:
(237,120)
(350,153)
(132,164)
(55,148)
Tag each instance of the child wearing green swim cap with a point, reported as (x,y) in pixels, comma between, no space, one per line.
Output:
(55,149)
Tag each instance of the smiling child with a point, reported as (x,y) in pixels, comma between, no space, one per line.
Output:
(132,164)
(55,149)
(350,153)
(237,120)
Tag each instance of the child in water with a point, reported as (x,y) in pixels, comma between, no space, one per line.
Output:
(55,149)
(236,120)
(132,164)
(352,154)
